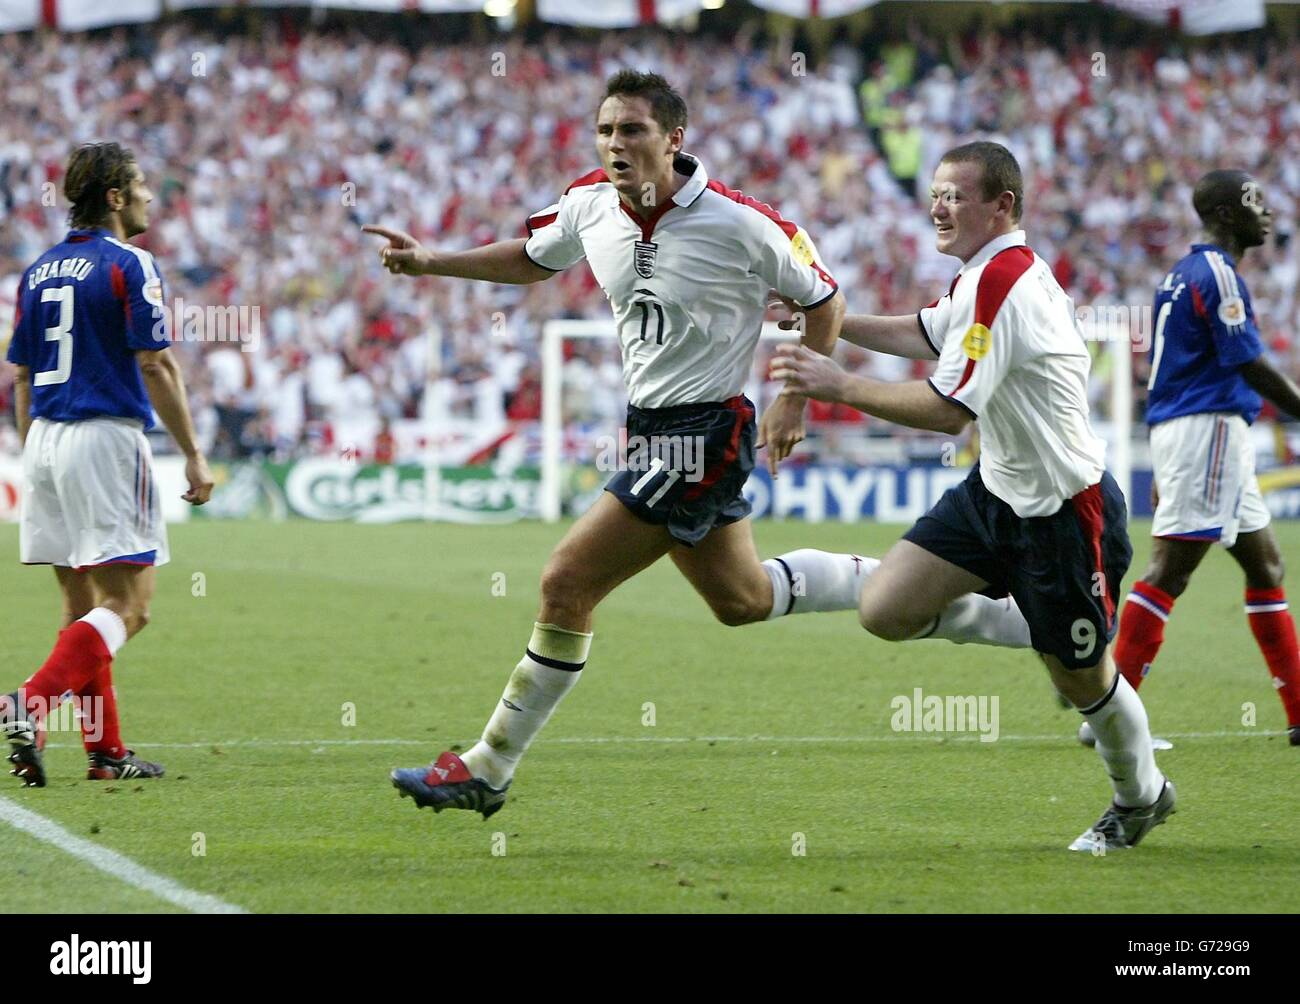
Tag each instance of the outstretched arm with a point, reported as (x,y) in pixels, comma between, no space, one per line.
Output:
(915,403)
(504,261)
(900,335)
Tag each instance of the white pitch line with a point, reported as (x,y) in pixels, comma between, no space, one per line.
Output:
(915,738)
(110,862)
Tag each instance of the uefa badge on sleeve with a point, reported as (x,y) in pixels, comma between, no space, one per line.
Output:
(1232,311)
(643,258)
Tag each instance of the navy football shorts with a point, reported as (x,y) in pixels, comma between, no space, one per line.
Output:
(686,466)
(1064,571)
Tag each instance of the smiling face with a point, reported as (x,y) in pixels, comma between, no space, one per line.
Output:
(634,150)
(964,222)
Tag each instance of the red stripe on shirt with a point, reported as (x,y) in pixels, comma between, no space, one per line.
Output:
(593,178)
(970,368)
(1198,304)
(788,228)
(735,195)
(1001,273)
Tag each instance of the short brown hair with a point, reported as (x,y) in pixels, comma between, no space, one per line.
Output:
(92,170)
(999,171)
(666,105)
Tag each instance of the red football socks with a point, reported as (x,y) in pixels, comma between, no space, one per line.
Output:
(100,730)
(1274,630)
(1141,631)
(76,659)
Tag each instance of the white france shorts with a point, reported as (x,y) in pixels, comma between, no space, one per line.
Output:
(1204,467)
(89,496)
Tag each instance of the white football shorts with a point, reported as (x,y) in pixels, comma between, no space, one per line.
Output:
(89,496)
(1204,468)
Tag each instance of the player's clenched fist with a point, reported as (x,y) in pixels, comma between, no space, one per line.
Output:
(404,255)
(807,372)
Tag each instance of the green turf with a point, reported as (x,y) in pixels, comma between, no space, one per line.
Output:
(786,728)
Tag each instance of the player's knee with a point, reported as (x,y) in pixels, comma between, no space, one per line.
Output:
(884,624)
(136,620)
(562,587)
(737,610)
(1271,573)
(1167,580)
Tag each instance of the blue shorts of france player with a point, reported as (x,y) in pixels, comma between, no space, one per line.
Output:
(1064,571)
(686,466)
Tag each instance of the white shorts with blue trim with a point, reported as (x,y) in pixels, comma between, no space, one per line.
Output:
(1204,468)
(89,496)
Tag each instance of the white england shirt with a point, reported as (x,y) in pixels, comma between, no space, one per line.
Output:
(1012,355)
(689,286)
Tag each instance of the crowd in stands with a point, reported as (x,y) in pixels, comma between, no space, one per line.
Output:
(266,155)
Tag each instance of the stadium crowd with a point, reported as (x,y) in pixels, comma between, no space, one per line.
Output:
(267,153)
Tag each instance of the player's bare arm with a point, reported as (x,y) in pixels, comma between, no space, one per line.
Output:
(914,404)
(22,401)
(502,262)
(166,388)
(1272,384)
(897,335)
(781,428)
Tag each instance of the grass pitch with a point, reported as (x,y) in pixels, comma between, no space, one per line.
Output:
(768,741)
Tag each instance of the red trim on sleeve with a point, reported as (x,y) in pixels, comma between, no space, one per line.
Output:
(537,222)
(1198,304)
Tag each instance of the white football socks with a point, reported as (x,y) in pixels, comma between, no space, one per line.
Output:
(979,620)
(1119,721)
(808,581)
(549,669)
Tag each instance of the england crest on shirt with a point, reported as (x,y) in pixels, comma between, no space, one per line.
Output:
(643,258)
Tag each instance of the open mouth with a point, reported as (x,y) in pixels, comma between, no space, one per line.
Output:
(943,228)
(620,166)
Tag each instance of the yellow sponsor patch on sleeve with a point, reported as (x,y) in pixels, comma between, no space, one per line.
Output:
(977,342)
(801,247)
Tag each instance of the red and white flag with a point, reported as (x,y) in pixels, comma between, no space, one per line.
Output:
(1196,17)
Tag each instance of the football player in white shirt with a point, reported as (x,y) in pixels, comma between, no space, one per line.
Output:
(1038,517)
(687,264)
